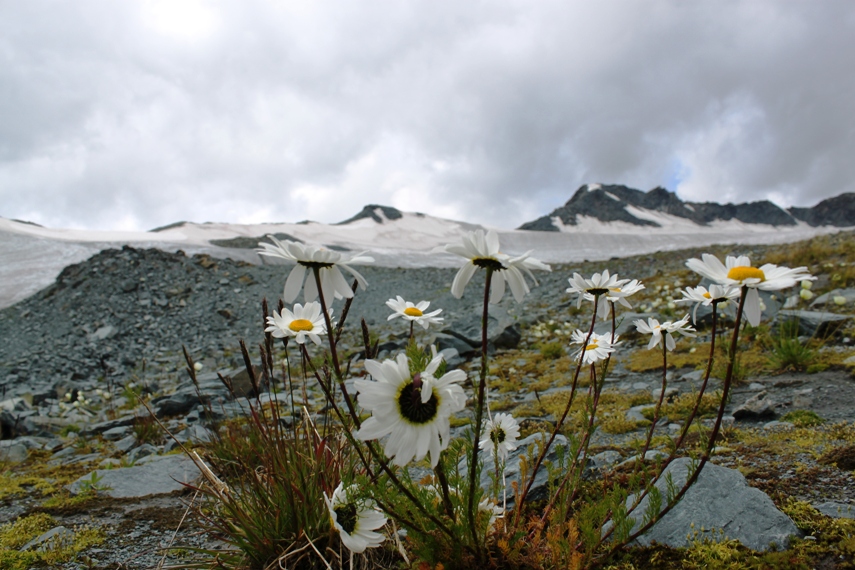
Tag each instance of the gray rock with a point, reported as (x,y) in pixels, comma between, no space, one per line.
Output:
(125,444)
(156,477)
(57,536)
(13,452)
(101,427)
(756,407)
(814,323)
(142,451)
(116,433)
(836,510)
(176,404)
(848,294)
(502,330)
(720,499)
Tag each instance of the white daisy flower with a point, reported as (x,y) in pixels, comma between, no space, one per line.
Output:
(413,313)
(306,256)
(482,250)
(413,411)
(598,347)
(701,296)
(607,287)
(664,330)
(355,520)
(500,435)
(304,321)
(738,272)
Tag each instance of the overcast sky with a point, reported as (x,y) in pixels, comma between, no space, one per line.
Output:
(136,114)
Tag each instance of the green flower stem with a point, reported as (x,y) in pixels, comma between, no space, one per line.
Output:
(333,352)
(479,409)
(542,455)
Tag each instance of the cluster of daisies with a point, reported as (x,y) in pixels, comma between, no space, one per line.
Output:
(412,411)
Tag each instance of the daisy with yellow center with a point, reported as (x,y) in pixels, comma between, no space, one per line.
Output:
(305,321)
(701,296)
(597,347)
(413,313)
(604,287)
(738,272)
(413,410)
(665,331)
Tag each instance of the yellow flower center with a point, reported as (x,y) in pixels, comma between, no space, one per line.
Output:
(707,296)
(412,312)
(591,346)
(298,325)
(741,273)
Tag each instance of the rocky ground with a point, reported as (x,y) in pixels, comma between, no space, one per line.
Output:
(75,357)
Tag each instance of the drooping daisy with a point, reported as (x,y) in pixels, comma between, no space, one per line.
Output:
(305,321)
(413,411)
(355,520)
(307,256)
(482,250)
(738,272)
(500,435)
(598,347)
(413,313)
(607,288)
(665,330)
(487,505)
(701,296)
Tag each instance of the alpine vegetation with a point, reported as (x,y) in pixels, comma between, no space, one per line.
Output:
(388,480)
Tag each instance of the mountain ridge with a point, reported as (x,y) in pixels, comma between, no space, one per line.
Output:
(614,203)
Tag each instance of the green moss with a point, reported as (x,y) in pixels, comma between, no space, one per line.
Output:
(802,418)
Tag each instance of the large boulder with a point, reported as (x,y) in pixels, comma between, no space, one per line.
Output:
(720,499)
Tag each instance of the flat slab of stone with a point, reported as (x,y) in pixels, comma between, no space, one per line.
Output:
(720,499)
(156,477)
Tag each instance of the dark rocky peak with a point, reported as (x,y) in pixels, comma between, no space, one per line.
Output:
(837,211)
(608,203)
(370,211)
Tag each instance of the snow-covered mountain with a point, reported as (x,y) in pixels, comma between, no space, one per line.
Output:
(629,223)
(621,208)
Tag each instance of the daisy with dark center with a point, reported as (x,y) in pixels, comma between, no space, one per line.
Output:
(355,520)
(304,321)
(737,272)
(596,348)
(500,436)
(701,296)
(413,410)
(413,313)
(315,257)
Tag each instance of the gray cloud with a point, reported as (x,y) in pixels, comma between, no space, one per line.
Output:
(137,114)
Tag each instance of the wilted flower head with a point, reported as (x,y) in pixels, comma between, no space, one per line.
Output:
(738,272)
(664,330)
(414,313)
(482,250)
(355,520)
(327,261)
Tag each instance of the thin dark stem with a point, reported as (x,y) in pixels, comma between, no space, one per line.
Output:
(542,455)
(707,452)
(659,402)
(333,351)
(479,409)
